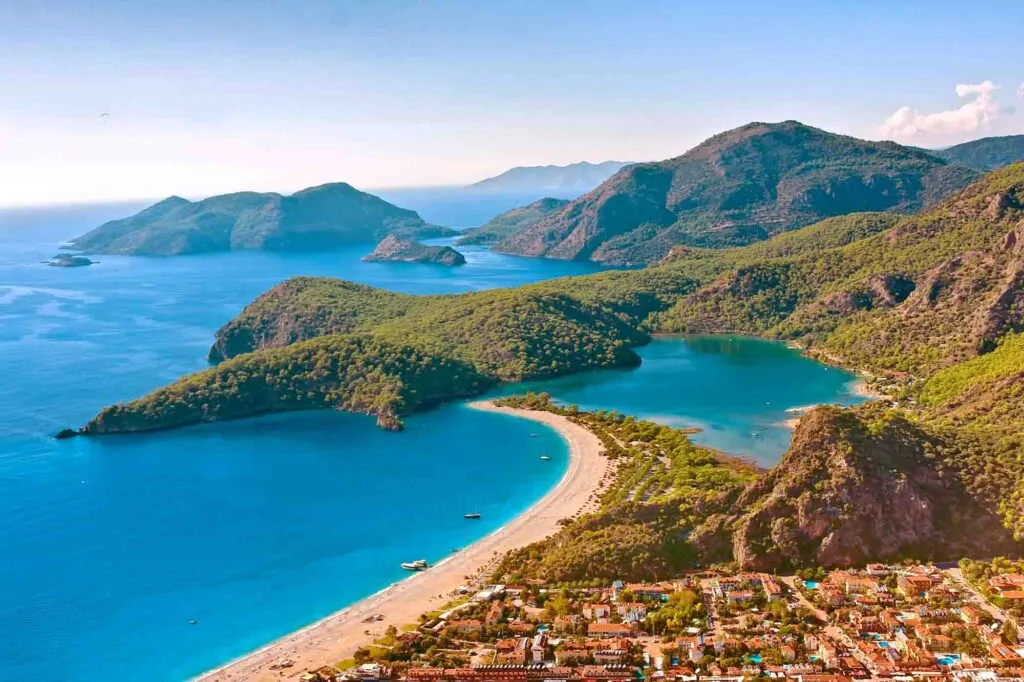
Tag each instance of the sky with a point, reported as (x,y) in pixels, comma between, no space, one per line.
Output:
(212,96)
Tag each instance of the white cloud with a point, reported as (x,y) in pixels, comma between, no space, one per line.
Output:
(979,112)
(1020,91)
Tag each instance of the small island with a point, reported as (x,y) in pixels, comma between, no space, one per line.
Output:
(66,260)
(396,249)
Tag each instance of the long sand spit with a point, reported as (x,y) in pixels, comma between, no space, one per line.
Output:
(337,636)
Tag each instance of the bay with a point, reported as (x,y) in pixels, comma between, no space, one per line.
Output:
(257,527)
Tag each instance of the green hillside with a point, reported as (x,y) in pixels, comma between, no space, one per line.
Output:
(932,300)
(988,153)
(738,187)
(512,222)
(316,218)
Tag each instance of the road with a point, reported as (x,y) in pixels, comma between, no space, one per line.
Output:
(957,576)
(790,582)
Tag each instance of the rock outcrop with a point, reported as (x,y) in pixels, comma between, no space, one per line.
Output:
(64,260)
(855,487)
(397,250)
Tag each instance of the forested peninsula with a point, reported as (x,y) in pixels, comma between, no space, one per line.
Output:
(929,303)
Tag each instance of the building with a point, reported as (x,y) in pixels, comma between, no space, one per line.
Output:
(538,647)
(608,630)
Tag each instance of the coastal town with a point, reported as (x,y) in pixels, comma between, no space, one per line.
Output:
(901,622)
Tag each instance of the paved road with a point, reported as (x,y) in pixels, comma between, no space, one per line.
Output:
(958,577)
(790,581)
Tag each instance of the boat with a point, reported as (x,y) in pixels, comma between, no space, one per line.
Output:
(545,458)
(418,565)
(471,515)
(533,435)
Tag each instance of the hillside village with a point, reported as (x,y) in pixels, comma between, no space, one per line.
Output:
(881,622)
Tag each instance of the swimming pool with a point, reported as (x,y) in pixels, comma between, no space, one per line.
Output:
(811,585)
(947,659)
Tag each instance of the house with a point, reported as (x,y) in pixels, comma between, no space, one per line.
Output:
(607,630)
(971,615)
(828,653)
(538,647)
(571,652)
(737,596)
(771,588)
(877,570)
(466,627)
(494,613)
(651,590)
(597,611)
(490,592)
(788,653)
(913,584)
(373,671)
(1013,595)
(833,596)
(510,651)
(521,627)
(617,588)
(566,622)
(1009,582)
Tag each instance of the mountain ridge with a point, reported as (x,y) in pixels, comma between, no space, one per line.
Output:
(574,177)
(738,187)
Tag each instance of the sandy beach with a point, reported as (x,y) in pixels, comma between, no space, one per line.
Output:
(337,636)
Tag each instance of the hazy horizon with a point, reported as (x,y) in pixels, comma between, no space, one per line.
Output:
(206,98)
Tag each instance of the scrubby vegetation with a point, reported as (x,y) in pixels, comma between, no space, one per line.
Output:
(660,484)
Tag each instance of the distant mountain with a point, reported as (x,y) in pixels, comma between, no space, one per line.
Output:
(512,222)
(985,154)
(738,187)
(321,217)
(574,179)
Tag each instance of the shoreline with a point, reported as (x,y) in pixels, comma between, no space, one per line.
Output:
(336,636)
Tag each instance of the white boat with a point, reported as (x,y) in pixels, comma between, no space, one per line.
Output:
(546,458)
(418,565)
(471,515)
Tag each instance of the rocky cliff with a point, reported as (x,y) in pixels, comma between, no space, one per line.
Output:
(856,486)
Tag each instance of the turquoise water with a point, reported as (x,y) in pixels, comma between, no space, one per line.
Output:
(258,527)
(738,391)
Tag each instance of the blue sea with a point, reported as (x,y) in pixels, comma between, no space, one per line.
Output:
(255,528)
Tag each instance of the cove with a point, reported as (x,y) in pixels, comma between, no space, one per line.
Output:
(739,391)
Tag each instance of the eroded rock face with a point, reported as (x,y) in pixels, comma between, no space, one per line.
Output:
(878,291)
(850,490)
